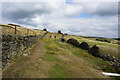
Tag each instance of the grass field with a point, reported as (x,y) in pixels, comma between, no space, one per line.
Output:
(51,58)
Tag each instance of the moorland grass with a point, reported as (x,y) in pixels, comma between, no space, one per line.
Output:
(51,58)
(59,71)
(57,47)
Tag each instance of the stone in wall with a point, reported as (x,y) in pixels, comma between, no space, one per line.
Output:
(63,40)
(73,42)
(94,51)
(84,45)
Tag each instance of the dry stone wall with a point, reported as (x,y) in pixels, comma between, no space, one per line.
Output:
(95,52)
(12,45)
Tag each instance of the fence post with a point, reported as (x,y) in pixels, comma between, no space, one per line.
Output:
(27,32)
(15,29)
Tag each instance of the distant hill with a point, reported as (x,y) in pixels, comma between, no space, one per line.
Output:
(10,29)
(116,38)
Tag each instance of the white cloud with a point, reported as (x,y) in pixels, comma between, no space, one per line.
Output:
(61,16)
(72,10)
(99,8)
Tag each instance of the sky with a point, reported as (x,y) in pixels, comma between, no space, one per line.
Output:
(70,16)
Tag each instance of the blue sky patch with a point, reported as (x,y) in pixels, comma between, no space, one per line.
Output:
(83,16)
(68,1)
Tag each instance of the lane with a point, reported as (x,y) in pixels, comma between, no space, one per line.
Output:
(40,64)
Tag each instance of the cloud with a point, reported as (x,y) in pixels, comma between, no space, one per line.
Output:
(73,10)
(99,8)
(65,17)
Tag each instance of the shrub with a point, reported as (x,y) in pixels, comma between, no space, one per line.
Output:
(66,34)
(59,31)
(45,29)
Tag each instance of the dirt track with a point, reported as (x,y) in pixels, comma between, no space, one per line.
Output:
(35,66)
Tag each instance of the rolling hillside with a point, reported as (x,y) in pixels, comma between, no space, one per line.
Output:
(10,29)
(51,58)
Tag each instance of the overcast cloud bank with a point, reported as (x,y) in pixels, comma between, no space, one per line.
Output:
(78,18)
